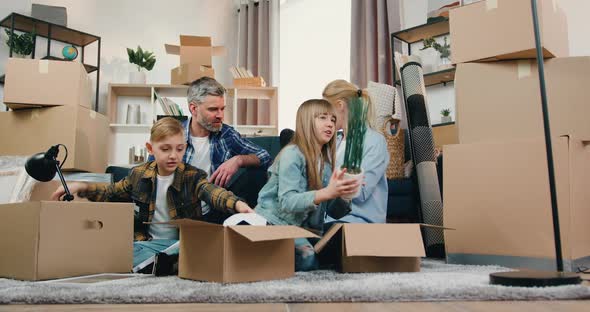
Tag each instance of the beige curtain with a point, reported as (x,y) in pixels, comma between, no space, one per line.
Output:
(254,53)
(373,21)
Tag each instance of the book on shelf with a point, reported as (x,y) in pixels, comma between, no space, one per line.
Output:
(169,107)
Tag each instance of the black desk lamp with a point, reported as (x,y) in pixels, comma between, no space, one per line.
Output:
(43,166)
(542,278)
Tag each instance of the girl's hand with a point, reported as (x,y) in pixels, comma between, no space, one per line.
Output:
(74,187)
(338,187)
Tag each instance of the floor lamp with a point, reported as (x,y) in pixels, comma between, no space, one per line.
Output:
(542,278)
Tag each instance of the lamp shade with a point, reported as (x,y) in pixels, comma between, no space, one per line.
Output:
(41,167)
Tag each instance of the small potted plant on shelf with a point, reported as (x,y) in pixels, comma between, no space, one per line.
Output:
(444,51)
(142,59)
(445,115)
(355,137)
(22,45)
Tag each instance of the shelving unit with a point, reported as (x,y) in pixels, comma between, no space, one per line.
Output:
(54,32)
(121,95)
(416,34)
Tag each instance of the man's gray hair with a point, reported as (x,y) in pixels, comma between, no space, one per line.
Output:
(202,87)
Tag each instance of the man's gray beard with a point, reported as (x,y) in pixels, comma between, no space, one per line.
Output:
(209,126)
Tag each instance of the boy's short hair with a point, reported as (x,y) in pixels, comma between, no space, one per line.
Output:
(164,128)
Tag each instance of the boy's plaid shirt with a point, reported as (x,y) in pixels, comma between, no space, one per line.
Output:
(184,196)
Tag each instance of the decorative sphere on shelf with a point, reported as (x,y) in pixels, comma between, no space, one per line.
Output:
(69,52)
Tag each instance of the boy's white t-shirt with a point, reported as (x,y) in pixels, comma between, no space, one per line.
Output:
(202,160)
(162,231)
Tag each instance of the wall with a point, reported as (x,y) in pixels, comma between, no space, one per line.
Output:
(149,23)
(314,50)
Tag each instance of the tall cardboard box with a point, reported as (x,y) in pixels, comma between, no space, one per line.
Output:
(497,198)
(38,83)
(501,101)
(83,131)
(50,239)
(185,74)
(240,253)
(376,247)
(195,50)
(491,30)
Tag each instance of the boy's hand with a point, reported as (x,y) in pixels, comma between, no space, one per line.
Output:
(242,207)
(74,188)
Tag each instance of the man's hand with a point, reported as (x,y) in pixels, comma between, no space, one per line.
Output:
(242,207)
(224,172)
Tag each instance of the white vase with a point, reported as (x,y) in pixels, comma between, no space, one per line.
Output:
(137,77)
(445,63)
(446,119)
(359,178)
(430,59)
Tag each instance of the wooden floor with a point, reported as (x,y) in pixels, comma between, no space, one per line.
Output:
(462,306)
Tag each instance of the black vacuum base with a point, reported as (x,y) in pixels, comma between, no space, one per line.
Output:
(534,278)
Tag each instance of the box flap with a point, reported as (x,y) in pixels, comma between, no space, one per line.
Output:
(172,49)
(268,233)
(326,238)
(195,41)
(383,240)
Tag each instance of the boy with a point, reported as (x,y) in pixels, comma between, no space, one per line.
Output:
(164,189)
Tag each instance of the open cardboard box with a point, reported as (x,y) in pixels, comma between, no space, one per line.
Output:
(376,247)
(497,198)
(51,239)
(185,74)
(195,50)
(239,253)
(83,131)
(37,83)
(500,101)
(492,30)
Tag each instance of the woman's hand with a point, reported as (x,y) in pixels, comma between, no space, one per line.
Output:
(74,187)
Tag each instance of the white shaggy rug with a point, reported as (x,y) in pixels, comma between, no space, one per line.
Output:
(436,282)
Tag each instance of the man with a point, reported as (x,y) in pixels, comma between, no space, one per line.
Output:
(217,148)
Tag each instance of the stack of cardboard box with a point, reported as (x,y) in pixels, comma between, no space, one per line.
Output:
(42,239)
(496,186)
(195,59)
(51,102)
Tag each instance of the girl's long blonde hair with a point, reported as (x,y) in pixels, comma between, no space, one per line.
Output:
(345,91)
(307,142)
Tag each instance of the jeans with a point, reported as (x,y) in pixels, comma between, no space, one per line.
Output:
(305,257)
(142,250)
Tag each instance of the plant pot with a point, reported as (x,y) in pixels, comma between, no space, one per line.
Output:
(446,119)
(444,63)
(359,178)
(137,77)
(20,56)
(429,58)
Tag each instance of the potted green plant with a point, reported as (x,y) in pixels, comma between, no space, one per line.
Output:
(22,45)
(355,137)
(142,59)
(443,49)
(445,115)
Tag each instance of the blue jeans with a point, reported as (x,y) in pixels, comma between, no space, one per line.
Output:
(142,250)
(305,257)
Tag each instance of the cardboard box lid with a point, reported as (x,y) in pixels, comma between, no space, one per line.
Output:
(403,240)
(194,41)
(252,233)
